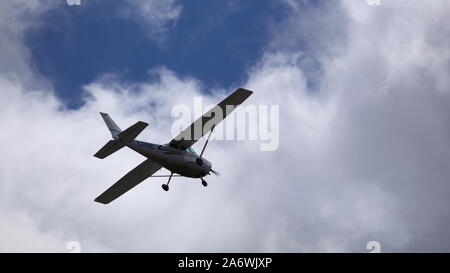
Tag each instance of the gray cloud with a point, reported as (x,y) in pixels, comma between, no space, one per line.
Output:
(362,157)
(15,18)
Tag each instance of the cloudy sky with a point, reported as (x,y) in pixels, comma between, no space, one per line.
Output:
(364,99)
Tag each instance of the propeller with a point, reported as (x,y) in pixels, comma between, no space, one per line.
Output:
(214,172)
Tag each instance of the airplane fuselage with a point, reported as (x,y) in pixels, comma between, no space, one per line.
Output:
(175,160)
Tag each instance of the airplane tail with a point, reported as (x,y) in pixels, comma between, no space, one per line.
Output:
(120,138)
(112,126)
(109,148)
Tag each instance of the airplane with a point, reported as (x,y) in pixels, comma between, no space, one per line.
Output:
(177,156)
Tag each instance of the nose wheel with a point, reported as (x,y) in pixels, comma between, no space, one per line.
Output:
(204,183)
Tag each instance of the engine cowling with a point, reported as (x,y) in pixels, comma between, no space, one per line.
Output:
(199,161)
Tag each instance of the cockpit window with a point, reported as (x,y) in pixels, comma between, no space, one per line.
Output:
(189,149)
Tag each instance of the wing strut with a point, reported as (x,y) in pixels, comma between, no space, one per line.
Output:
(206,143)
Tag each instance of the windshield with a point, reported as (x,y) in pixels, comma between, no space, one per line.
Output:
(189,149)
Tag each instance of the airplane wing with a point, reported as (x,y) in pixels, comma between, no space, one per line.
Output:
(204,124)
(128,181)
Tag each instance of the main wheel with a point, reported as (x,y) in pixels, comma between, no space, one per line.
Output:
(204,183)
(165,187)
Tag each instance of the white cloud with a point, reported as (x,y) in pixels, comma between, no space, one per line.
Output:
(157,16)
(73,2)
(364,157)
(20,233)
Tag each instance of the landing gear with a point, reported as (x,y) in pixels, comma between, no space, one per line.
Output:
(204,183)
(166,186)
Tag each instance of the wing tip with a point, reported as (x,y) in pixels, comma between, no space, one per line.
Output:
(249,92)
(143,123)
(101,201)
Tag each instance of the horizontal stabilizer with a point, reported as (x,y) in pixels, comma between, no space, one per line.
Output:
(111,147)
(132,132)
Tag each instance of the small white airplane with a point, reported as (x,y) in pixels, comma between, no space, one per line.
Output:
(177,156)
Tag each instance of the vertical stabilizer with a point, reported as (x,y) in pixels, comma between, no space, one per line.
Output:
(112,126)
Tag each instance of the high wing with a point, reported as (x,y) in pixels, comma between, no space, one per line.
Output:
(128,181)
(205,123)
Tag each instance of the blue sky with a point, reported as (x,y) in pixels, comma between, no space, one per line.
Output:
(215,42)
